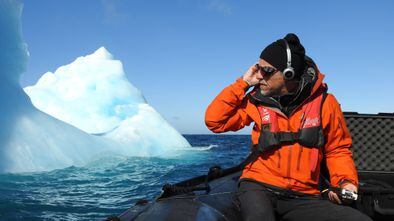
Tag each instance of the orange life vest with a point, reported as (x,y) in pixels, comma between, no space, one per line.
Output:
(310,133)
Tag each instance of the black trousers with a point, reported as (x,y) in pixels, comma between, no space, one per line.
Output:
(259,203)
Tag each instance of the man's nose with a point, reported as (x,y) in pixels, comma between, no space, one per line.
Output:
(259,75)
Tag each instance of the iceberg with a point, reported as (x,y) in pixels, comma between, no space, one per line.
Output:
(82,111)
(93,94)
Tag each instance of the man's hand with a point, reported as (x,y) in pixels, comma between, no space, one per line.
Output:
(252,75)
(335,198)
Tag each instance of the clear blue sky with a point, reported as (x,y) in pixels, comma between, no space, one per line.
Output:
(181,53)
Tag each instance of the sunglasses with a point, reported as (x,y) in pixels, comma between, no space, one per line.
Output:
(266,70)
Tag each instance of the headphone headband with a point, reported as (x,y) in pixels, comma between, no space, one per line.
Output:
(288,52)
(288,73)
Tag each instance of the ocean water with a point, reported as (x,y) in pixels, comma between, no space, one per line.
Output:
(109,186)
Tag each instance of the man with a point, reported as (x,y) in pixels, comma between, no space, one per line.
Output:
(297,125)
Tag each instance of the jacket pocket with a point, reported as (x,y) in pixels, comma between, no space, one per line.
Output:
(299,157)
(313,159)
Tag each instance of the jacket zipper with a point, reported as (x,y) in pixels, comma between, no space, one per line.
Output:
(301,147)
(278,110)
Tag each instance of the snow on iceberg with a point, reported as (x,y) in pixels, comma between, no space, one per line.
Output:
(92,93)
(31,140)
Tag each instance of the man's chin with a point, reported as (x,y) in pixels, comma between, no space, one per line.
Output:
(265,93)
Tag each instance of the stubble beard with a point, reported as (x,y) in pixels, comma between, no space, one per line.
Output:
(270,92)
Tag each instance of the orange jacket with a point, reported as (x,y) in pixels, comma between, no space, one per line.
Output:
(289,166)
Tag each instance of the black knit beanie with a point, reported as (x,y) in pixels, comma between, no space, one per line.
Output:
(276,55)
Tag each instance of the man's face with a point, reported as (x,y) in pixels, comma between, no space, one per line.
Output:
(271,85)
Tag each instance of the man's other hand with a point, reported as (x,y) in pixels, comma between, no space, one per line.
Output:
(335,198)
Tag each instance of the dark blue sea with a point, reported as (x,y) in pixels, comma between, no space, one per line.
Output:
(112,185)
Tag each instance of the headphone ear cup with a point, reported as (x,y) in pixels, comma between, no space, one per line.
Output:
(288,73)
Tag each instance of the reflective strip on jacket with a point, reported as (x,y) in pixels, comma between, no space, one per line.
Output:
(289,166)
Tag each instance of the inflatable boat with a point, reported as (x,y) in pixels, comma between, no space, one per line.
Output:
(213,196)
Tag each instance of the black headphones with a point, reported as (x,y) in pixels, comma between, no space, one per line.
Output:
(288,73)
